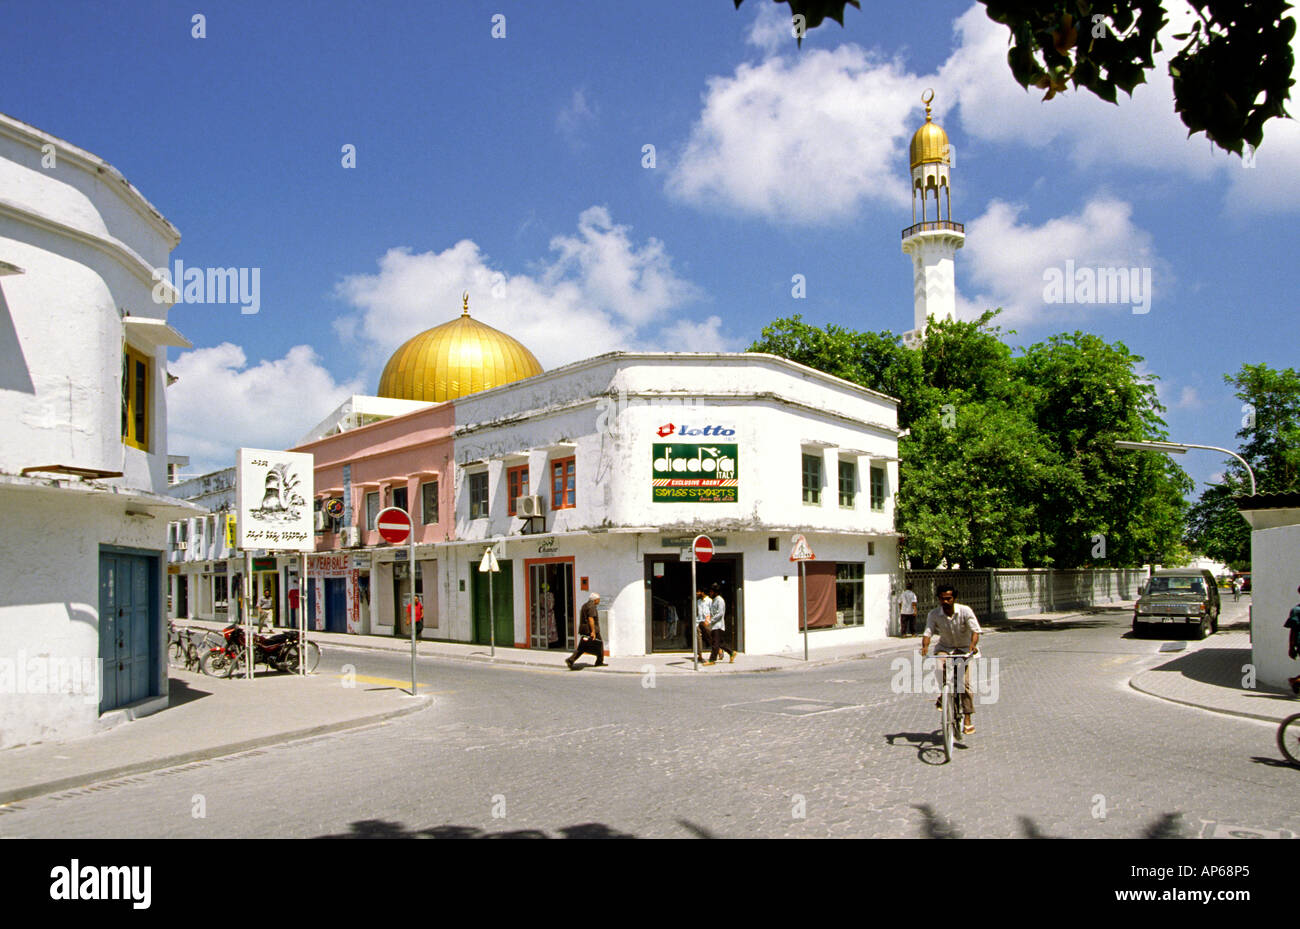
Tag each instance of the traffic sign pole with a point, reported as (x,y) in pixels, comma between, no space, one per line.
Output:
(395,527)
(803,584)
(411,567)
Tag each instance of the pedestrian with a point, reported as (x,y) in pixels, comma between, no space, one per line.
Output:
(1236,588)
(717,626)
(589,640)
(419,617)
(265,616)
(293,606)
(907,612)
(703,610)
(1293,644)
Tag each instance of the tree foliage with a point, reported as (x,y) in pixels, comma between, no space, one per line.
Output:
(1270,434)
(1011,460)
(1231,76)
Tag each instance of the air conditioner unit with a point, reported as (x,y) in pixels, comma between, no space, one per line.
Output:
(527,507)
(320,520)
(351,537)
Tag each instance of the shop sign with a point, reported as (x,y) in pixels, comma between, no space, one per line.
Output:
(695,473)
(548,546)
(697,429)
(263,564)
(684,541)
(271,491)
(334,507)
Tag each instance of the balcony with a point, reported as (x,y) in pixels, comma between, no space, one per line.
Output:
(934,226)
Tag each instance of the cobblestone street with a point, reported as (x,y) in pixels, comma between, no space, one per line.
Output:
(1067,749)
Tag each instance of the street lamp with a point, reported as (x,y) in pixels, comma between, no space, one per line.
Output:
(1180,448)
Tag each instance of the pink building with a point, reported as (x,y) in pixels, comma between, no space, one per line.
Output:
(359,583)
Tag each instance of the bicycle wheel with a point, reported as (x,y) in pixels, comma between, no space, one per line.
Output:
(312,651)
(1288,738)
(218,664)
(948,725)
(291,658)
(176,655)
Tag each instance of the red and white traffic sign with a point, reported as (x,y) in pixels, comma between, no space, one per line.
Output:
(393,524)
(801,551)
(703,548)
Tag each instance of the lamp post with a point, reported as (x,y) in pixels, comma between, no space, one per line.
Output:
(1180,448)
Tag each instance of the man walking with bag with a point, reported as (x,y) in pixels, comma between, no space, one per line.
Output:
(589,641)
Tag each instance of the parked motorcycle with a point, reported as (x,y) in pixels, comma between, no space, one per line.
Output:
(276,650)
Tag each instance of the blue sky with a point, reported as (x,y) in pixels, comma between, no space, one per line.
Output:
(514,167)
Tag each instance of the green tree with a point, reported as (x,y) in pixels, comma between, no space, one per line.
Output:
(1231,76)
(1011,460)
(1270,430)
(1107,506)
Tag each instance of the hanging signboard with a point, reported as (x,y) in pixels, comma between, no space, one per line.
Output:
(273,490)
(684,473)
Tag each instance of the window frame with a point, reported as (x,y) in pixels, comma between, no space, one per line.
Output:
(424,502)
(478,480)
(852,475)
(405,493)
(567,481)
(858,585)
(878,499)
(372,514)
(137,379)
(815,492)
(516,485)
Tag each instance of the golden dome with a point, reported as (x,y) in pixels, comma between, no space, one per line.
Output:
(930,143)
(457,358)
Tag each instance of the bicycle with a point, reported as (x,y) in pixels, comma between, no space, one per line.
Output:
(1288,738)
(186,646)
(950,715)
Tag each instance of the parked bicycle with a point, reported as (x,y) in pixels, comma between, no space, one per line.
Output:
(1288,738)
(280,651)
(187,645)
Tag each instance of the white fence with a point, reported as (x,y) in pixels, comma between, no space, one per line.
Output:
(997,593)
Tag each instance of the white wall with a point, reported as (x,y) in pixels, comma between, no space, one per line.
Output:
(49,601)
(1274,579)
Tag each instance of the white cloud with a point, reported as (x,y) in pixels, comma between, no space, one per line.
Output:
(575,117)
(804,140)
(689,336)
(1007,260)
(220,403)
(772,29)
(600,291)
(1188,399)
(811,137)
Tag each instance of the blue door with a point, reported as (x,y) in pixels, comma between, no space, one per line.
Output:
(128,627)
(336,604)
(311,604)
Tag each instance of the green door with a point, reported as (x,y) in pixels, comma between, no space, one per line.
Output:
(503,606)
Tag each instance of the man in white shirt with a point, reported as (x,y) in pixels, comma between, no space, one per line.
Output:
(717,626)
(959,631)
(907,612)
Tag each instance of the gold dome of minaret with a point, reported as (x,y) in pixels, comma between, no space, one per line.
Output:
(930,142)
(457,358)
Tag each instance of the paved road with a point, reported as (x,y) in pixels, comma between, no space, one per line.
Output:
(1067,749)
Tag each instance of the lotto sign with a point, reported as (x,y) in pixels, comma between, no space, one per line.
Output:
(393,525)
(702,473)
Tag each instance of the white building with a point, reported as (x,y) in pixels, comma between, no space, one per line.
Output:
(1274,582)
(199,549)
(83,523)
(628,457)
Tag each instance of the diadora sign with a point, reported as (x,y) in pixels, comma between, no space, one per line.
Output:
(668,429)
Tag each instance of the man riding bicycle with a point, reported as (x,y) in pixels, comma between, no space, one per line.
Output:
(959,631)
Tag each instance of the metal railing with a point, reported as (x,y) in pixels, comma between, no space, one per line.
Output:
(934,226)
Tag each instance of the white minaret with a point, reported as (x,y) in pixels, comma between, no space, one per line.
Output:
(933,239)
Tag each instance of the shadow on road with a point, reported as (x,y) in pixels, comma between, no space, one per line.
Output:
(382,829)
(929,745)
(179,692)
(934,826)
(1222,667)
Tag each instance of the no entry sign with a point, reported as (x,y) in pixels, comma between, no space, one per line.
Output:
(393,524)
(703,548)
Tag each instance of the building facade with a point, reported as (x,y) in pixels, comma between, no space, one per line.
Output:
(83,520)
